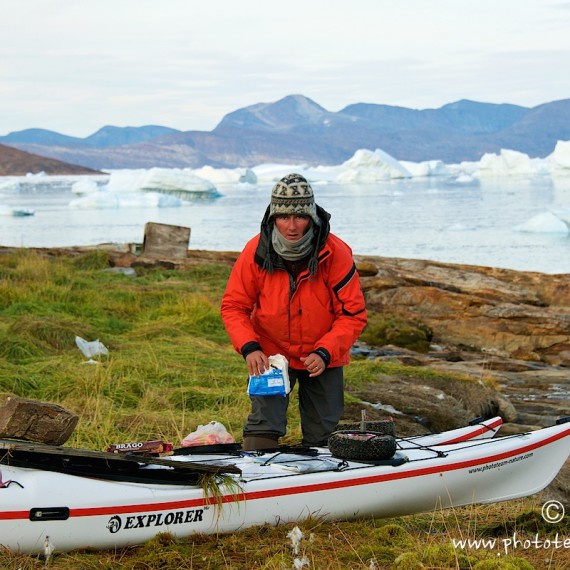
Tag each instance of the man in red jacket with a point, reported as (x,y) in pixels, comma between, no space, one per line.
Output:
(294,291)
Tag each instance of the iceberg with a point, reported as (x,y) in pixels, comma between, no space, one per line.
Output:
(10,186)
(367,167)
(364,167)
(84,186)
(559,160)
(546,222)
(563,215)
(465,179)
(182,183)
(226,175)
(269,173)
(509,163)
(248,177)
(426,168)
(108,200)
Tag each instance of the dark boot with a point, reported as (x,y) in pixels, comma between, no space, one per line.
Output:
(259,442)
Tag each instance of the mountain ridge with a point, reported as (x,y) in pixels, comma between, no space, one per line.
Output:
(296,129)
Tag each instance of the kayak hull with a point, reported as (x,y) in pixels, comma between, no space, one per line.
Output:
(81,512)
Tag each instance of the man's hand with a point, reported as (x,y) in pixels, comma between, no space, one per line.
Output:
(314,364)
(257,363)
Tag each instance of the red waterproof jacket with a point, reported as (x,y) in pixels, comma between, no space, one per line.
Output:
(293,317)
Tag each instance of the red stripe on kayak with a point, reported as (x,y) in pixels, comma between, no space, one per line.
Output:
(13,515)
(282,492)
(481,429)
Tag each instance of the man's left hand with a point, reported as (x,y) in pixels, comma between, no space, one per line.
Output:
(314,364)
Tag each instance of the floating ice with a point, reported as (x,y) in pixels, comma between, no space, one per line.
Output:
(225,175)
(179,182)
(427,168)
(368,167)
(563,214)
(84,186)
(9,186)
(458,227)
(545,222)
(155,187)
(103,199)
(464,179)
(248,177)
(559,160)
(273,172)
(508,163)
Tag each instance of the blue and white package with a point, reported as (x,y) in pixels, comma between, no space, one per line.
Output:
(274,381)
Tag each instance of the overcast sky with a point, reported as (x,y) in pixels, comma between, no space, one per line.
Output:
(74,66)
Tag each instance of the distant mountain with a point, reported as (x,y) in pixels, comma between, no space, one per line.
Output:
(464,116)
(296,129)
(105,137)
(110,136)
(287,113)
(538,131)
(40,137)
(14,162)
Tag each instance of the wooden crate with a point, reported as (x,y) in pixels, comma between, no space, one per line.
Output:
(164,241)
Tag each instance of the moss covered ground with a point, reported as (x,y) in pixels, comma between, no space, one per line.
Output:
(171,368)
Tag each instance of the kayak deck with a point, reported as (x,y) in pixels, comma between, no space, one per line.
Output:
(188,465)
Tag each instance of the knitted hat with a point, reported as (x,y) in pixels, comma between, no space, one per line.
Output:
(293,195)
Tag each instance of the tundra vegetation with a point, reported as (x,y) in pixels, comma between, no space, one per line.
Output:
(171,368)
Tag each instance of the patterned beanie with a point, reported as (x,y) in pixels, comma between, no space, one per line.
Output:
(293,195)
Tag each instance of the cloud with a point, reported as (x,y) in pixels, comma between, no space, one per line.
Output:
(75,66)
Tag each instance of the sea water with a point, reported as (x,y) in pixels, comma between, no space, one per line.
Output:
(435,218)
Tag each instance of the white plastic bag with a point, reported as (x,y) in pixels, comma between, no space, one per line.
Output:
(273,382)
(209,434)
(90,349)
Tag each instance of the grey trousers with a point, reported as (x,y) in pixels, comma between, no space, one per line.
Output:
(321,403)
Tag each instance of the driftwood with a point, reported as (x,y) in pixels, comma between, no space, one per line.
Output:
(30,420)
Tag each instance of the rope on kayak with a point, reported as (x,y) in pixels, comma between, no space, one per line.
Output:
(466,445)
(6,484)
(421,447)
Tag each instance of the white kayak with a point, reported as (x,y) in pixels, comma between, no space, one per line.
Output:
(101,509)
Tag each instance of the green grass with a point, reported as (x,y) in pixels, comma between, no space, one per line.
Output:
(171,368)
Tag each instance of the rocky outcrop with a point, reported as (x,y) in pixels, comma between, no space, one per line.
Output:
(499,312)
(527,395)
(14,162)
(421,405)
